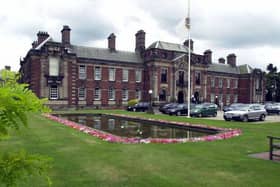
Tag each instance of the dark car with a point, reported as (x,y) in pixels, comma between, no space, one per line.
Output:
(233,106)
(164,108)
(205,109)
(273,108)
(178,110)
(139,107)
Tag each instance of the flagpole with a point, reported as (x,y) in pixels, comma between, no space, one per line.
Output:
(188,25)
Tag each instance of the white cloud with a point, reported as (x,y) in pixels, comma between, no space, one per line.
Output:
(248,28)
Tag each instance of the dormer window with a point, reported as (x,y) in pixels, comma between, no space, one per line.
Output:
(53,66)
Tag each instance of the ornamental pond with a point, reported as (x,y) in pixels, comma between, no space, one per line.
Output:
(138,128)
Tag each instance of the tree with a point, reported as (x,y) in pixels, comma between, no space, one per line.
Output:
(16,100)
(272,83)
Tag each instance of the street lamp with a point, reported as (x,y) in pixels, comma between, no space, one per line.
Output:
(150,109)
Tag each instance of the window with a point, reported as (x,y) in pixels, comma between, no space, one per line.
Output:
(228,99)
(235,100)
(82,93)
(220,98)
(138,75)
(228,83)
(181,77)
(162,95)
(97,123)
(163,75)
(124,94)
(111,74)
(125,75)
(53,66)
(197,78)
(111,124)
(53,93)
(82,72)
(236,83)
(97,94)
(220,83)
(212,82)
(138,94)
(111,94)
(97,71)
(257,82)
(212,98)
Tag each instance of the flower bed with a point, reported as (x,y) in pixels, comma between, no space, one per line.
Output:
(224,133)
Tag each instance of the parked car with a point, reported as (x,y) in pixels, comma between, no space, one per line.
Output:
(204,109)
(141,106)
(164,108)
(178,110)
(273,108)
(247,112)
(233,106)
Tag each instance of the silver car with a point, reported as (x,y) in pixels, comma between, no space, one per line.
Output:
(247,112)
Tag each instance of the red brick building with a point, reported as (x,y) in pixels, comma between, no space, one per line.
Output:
(78,76)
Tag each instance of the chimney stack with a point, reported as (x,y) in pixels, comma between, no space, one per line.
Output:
(231,59)
(186,43)
(41,36)
(208,56)
(140,41)
(222,60)
(112,42)
(65,36)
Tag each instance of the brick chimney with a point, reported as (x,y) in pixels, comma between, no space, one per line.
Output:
(231,59)
(65,35)
(41,36)
(222,60)
(112,42)
(186,43)
(208,56)
(140,41)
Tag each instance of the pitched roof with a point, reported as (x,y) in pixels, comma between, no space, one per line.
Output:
(168,46)
(226,68)
(223,68)
(106,54)
(245,69)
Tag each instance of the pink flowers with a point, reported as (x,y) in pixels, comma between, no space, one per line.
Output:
(224,134)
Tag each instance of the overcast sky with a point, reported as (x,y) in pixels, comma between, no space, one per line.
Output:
(248,28)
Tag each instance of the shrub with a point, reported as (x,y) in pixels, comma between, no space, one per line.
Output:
(132,102)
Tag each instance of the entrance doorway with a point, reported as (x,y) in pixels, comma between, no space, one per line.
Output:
(180,97)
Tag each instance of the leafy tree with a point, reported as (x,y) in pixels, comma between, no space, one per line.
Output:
(272,83)
(16,100)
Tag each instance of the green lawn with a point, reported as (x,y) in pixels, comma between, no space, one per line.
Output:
(83,160)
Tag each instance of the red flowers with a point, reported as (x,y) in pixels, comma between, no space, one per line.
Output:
(225,133)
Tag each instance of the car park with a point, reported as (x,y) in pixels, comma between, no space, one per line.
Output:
(139,107)
(246,113)
(204,109)
(273,108)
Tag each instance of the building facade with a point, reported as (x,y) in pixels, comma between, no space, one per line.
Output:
(78,76)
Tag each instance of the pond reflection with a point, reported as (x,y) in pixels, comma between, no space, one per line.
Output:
(132,128)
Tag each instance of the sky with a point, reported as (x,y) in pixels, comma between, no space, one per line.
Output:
(248,28)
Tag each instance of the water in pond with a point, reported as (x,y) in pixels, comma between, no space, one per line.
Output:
(126,127)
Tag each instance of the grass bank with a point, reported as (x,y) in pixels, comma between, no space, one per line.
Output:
(83,160)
